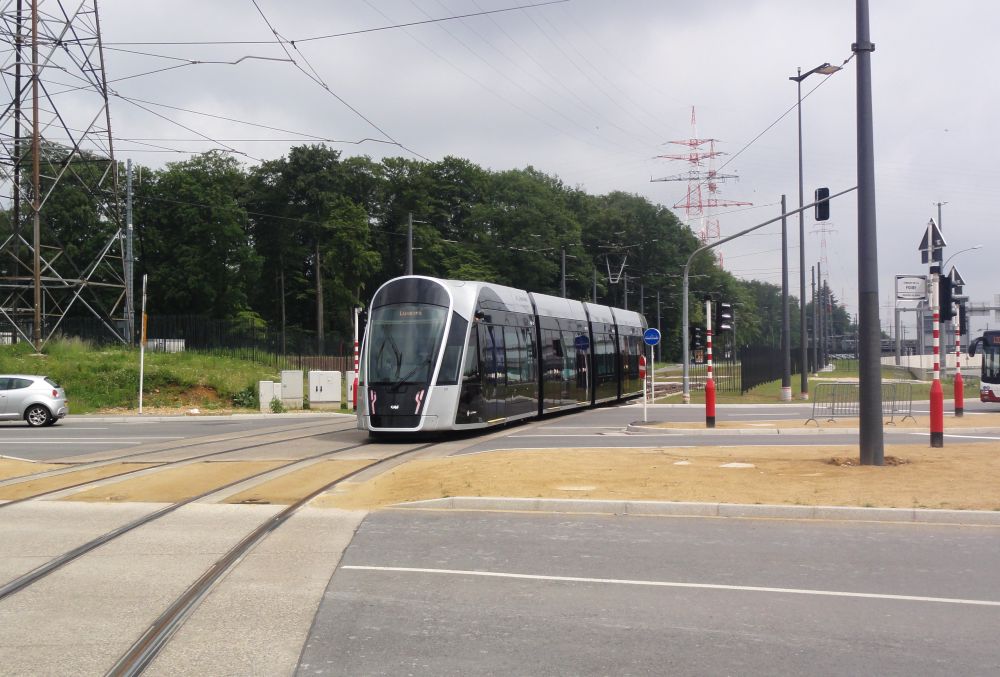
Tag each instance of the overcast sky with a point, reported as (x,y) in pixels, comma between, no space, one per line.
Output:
(591,91)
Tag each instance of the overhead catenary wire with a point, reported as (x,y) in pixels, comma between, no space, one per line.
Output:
(349,33)
(315,77)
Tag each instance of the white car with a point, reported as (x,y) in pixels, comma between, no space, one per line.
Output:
(37,399)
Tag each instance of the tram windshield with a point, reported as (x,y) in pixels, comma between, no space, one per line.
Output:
(404,341)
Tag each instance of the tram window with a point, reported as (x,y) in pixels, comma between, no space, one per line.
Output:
(493,357)
(470,372)
(528,341)
(515,355)
(452,351)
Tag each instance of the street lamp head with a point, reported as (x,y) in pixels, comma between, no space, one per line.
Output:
(960,251)
(824,69)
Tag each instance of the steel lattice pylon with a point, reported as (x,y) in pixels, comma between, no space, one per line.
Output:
(701,172)
(55,132)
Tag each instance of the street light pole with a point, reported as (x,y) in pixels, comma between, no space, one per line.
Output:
(786,349)
(825,69)
(871,438)
(409,243)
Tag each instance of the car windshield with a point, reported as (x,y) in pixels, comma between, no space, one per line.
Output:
(405,339)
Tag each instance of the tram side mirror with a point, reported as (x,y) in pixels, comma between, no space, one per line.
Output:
(973,345)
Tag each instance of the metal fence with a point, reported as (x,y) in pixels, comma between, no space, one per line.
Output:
(842,400)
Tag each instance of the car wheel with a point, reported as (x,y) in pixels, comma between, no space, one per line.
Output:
(37,415)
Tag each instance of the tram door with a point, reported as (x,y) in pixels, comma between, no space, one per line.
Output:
(494,363)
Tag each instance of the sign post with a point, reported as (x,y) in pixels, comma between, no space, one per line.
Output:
(642,376)
(931,250)
(650,337)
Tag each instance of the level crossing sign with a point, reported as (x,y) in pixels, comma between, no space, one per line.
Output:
(651,336)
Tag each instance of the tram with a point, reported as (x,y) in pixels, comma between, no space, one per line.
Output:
(989,344)
(443,355)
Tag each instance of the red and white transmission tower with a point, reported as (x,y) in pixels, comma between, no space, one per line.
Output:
(701,174)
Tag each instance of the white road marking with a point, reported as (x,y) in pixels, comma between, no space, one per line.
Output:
(677,584)
(18,458)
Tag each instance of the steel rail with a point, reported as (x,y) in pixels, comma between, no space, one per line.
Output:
(198,441)
(23,581)
(146,648)
(158,466)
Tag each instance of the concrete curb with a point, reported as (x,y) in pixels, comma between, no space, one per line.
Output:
(640,429)
(160,418)
(689,509)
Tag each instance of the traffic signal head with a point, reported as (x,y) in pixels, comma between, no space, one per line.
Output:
(823,208)
(695,337)
(963,320)
(723,317)
(945,312)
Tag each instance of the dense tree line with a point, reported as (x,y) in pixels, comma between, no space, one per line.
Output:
(301,240)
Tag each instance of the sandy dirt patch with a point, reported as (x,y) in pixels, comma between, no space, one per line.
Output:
(44,484)
(176,484)
(13,467)
(289,488)
(960,476)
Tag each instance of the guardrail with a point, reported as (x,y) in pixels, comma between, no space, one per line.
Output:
(842,400)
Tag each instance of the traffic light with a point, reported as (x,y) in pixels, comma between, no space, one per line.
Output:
(695,337)
(945,312)
(823,208)
(963,320)
(723,317)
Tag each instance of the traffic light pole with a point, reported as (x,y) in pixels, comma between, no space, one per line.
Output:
(685,315)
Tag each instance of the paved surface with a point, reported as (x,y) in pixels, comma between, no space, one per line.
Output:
(454,593)
(565,593)
(87,435)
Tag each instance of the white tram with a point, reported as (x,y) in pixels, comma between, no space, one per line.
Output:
(451,355)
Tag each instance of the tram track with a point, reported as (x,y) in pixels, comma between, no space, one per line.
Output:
(142,653)
(25,580)
(200,441)
(152,467)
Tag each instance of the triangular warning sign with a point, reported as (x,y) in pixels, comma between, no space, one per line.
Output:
(932,244)
(956,278)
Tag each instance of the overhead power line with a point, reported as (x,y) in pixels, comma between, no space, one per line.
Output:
(347,33)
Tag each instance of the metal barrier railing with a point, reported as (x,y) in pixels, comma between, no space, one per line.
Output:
(842,400)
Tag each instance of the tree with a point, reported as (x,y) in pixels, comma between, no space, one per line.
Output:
(193,243)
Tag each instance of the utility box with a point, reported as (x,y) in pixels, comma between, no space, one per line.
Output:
(267,391)
(351,404)
(291,388)
(324,389)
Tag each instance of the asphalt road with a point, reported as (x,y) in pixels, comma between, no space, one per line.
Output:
(603,427)
(458,593)
(84,435)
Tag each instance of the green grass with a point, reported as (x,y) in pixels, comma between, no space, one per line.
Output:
(108,377)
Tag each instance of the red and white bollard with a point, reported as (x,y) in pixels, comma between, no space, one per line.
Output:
(709,378)
(959,395)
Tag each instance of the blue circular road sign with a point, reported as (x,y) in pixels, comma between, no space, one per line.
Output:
(582,342)
(651,336)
